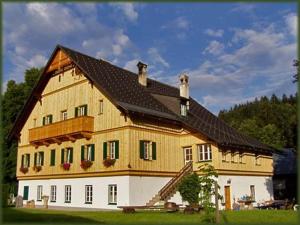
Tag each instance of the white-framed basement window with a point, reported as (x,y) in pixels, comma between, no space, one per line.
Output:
(204,152)
(112,194)
(67,193)
(88,194)
(53,193)
(39,193)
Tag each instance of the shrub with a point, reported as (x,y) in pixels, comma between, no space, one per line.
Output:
(5,194)
(189,188)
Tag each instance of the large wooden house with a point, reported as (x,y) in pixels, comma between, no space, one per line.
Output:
(98,136)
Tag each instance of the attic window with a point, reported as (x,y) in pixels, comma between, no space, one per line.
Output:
(183,109)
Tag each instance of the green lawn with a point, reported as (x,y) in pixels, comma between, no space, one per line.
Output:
(42,216)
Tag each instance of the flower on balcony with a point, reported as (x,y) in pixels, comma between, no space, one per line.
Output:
(24,169)
(85,164)
(37,168)
(108,162)
(66,166)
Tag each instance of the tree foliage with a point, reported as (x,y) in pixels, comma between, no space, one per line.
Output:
(13,100)
(272,121)
(189,188)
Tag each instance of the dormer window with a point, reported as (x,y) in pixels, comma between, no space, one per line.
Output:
(183,109)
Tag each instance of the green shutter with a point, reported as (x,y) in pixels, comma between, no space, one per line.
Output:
(71,155)
(25,192)
(116,149)
(85,110)
(104,150)
(35,157)
(28,156)
(82,152)
(153,150)
(52,157)
(62,156)
(44,121)
(42,156)
(22,161)
(93,152)
(50,118)
(142,149)
(76,111)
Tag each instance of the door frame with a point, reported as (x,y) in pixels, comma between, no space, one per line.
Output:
(227,204)
(184,154)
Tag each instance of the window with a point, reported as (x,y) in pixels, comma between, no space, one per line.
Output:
(63,115)
(101,107)
(67,155)
(183,110)
(204,152)
(112,194)
(252,192)
(39,158)
(47,119)
(88,194)
(25,192)
(25,161)
(53,193)
(257,160)
(88,152)
(52,157)
(148,150)
(67,193)
(111,150)
(81,111)
(39,192)
(188,155)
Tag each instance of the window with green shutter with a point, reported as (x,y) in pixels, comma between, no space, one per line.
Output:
(153,150)
(70,151)
(62,156)
(88,152)
(22,161)
(35,158)
(104,150)
(25,192)
(112,149)
(76,111)
(82,152)
(147,150)
(52,157)
(28,160)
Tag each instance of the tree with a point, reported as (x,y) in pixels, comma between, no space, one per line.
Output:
(189,189)
(296,76)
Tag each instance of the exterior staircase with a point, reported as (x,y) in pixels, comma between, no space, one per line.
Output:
(170,188)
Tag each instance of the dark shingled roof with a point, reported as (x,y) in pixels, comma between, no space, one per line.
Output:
(156,100)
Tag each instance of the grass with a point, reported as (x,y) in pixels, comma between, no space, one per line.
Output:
(43,216)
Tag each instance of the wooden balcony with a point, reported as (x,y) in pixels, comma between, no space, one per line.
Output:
(65,130)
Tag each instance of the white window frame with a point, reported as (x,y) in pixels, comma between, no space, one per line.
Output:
(39,159)
(183,109)
(188,154)
(88,194)
(47,119)
(67,155)
(204,152)
(81,110)
(148,150)
(112,149)
(112,194)
(100,106)
(89,152)
(64,115)
(26,160)
(68,192)
(39,193)
(53,193)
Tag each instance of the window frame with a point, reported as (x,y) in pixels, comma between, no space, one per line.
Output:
(88,194)
(63,115)
(68,193)
(53,190)
(48,119)
(189,155)
(39,193)
(204,152)
(112,194)
(100,107)
(183,109)
(112,149)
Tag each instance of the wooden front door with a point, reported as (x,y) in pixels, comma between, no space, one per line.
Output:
(188,155)
(227,197)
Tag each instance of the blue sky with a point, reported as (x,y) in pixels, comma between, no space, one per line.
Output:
(232,52)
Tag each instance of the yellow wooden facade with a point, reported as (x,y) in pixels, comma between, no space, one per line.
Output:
(68,90)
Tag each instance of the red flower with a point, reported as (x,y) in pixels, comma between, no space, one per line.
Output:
(37,168)
(109,162)
(66,166)
(24,169)
(85,164)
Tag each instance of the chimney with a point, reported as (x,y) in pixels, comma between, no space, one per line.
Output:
(184,86)
(142,67)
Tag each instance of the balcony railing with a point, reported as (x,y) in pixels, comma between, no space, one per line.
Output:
(65,130)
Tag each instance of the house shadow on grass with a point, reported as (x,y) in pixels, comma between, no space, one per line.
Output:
(26,216)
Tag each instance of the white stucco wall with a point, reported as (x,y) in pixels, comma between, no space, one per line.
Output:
(240,185)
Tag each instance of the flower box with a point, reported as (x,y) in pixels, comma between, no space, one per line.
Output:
(85,164)
(109,162)
(37,168)
(66,166)
(24,170)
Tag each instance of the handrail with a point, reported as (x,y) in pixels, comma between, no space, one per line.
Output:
(174,180)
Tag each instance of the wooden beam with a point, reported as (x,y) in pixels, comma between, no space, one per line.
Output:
(46,143)
(86,135)
(71,138)
(56,140)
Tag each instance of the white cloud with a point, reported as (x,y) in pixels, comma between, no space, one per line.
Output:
(131,65)
(128,9)
(292,23)
(214,48)
(214,33)
(182,23)
(156,57)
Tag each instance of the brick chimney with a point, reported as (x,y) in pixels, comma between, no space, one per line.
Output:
(184,86)
(142,72)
